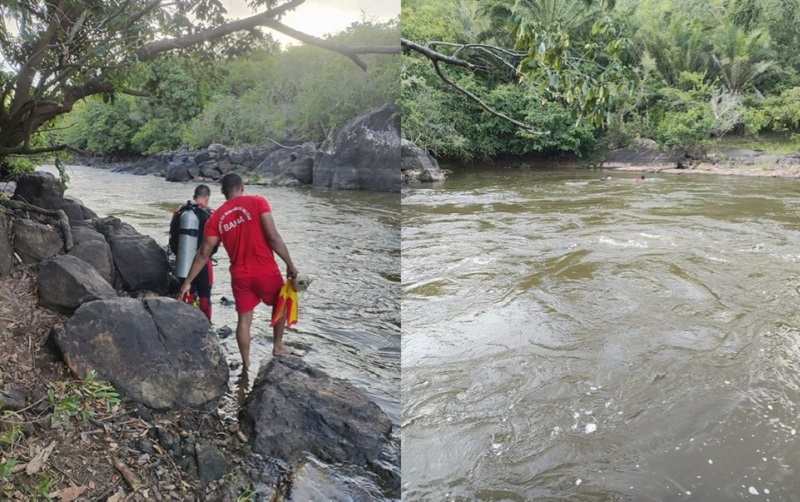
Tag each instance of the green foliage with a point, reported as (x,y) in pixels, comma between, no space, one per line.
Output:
(301,94)
(80,398)
(7,469)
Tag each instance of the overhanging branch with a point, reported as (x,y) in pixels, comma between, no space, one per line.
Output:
(437,57)
(21,150)
(148,51)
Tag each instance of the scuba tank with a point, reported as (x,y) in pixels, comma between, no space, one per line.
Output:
(187,243)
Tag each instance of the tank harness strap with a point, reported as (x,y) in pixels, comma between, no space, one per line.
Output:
(193,232)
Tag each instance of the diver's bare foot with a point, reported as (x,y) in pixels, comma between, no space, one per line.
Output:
(282,351)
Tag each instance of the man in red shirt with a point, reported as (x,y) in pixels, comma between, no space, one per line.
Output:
(245,226)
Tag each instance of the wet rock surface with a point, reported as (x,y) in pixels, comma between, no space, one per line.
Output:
(294,408)
(417,164)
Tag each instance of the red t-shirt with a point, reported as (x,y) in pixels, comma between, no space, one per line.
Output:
(238,225)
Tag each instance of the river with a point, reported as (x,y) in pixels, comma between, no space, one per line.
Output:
(571,339)
(348,243)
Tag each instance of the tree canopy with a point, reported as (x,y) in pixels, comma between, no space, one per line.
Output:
(58,52)
(482,78)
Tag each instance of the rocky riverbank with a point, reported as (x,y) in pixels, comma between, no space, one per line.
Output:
(645,157)
(363,155)
(111,391)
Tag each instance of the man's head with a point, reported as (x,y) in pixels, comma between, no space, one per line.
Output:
(232,185)
(202,194)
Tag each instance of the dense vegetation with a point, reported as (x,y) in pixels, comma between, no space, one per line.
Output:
(595,75)
(258,97)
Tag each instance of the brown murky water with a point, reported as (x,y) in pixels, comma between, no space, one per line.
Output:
(571,339)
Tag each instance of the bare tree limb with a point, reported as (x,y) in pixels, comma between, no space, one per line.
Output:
(437,57)
(63,220)
(434,56)
(350,52)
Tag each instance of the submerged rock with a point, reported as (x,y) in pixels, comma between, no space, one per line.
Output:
(157,351)
(294,409)
(315,481)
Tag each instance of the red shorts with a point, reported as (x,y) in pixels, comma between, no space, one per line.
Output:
(250,291)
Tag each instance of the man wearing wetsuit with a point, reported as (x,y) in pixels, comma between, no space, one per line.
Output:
(245,226)
(201,285)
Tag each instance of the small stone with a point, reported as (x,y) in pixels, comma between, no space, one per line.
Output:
(13,397)
(211,463)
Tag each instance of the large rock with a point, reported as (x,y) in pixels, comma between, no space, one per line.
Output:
(294,409)
(646,154)
(76,210)
(96,253)
(365,153)
(417,164)
(291,163)
(40,189)
(67,282)
(178,171)
(35,242)
(158,351)
(84,233)
(141,263)
(6,249)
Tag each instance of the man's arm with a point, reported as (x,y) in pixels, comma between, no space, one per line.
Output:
(200,259)
(276,243)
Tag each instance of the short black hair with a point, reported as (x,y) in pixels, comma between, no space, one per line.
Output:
(202,191)
(230,182)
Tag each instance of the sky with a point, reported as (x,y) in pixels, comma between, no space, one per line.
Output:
(320,17)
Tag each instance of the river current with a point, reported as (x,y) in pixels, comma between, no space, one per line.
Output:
(571,339)
(347,242)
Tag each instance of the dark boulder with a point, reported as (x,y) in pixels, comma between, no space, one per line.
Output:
(67,282)
(85,233)
(76,210)
(40,189)
(157,351)
(178,171)
(290,163)
(418,165)
(294,409)
(140,262)
(35,242)
(364,154)
(96,253)
(6,249)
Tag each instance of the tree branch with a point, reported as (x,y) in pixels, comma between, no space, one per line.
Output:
(148,51)
(350,52)
(63,220)
(437,57)
(21,150)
